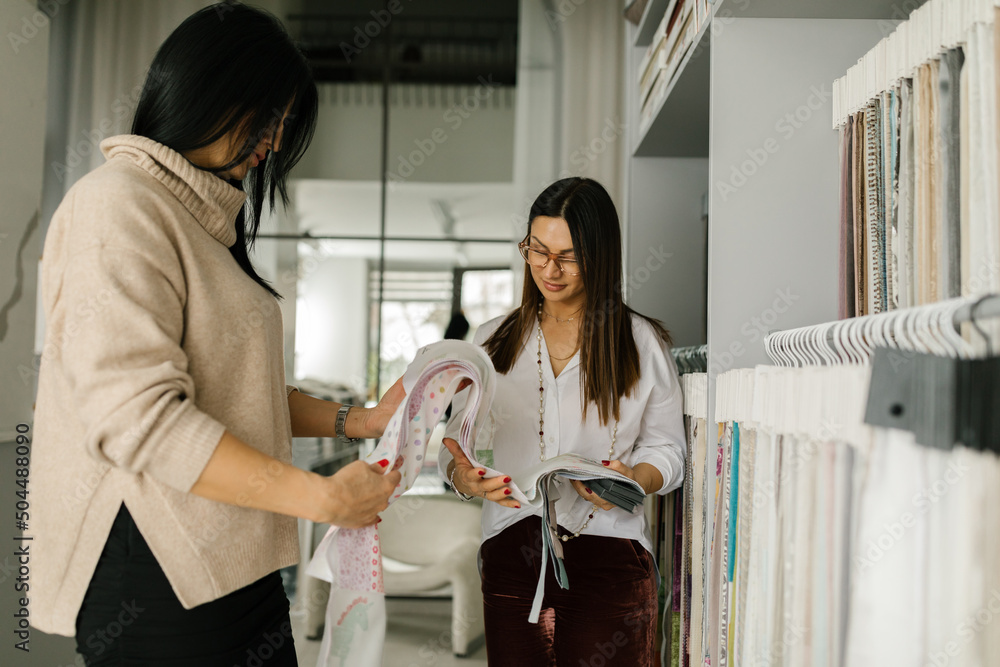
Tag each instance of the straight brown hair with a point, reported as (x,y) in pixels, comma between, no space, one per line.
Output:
(609,358)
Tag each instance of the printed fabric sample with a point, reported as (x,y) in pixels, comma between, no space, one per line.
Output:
(350,558)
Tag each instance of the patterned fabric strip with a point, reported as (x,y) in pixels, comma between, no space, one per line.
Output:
(874,219)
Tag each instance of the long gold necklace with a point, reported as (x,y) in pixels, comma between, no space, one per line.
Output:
(541,427)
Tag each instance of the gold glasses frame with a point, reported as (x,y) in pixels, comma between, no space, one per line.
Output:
(524,248)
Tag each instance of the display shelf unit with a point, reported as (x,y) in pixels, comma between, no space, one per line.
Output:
(748,117)
(744,131)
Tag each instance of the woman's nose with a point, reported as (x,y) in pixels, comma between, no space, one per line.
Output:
(551,269)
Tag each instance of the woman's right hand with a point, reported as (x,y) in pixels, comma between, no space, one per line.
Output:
(355,494)
(471,480)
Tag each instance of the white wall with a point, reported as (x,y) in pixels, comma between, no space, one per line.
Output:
(331,320)
(665,249)
(774,212)
(460,134)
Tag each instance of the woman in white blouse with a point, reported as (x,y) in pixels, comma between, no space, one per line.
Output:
(577,371)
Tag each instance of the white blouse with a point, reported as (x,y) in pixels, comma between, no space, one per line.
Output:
(651,430)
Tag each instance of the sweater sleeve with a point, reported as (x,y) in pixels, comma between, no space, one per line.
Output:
(119,321)
(661,432)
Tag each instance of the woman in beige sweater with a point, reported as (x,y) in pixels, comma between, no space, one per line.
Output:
(163,491)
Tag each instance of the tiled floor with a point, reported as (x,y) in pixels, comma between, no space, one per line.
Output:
(418,635)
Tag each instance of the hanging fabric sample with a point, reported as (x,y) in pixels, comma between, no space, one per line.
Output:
(983,172)
(949,174)
(935,517)
(847,305)
(350,558)
(860,226)
(694,521)
(923,161)
(874,208)
(926,159)
(906,275)
(890,184)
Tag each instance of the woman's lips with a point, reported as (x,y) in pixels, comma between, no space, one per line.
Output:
(553,288)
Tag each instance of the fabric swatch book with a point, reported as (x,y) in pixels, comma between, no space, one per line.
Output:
(351,560)
(608,484)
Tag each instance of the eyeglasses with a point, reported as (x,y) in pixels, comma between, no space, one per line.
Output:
(540,260)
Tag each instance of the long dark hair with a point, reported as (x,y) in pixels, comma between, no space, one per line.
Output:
(609,357)
(229,67)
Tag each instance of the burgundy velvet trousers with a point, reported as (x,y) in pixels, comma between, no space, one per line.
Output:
(606,617)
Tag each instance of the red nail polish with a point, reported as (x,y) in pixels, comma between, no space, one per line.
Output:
(379,520)
(606,462)
(506,480)
(384,462)
(481,472)
(506,492)
(587,490)
(517,507)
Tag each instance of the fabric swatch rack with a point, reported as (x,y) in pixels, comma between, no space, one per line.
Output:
(692,359)
(934,328)
(920,181)
(666,514)
(835,541)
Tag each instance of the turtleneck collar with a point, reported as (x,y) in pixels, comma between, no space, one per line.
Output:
(213,202)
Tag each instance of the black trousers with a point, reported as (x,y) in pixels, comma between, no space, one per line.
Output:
(130,615)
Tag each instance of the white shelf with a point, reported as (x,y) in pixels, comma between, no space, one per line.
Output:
(818,9)
(651,18)
(679,125)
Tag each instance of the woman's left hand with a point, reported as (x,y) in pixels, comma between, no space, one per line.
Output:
(592,497)
(377,418)
(645,474)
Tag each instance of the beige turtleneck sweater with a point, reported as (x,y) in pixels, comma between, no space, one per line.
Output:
(156,342)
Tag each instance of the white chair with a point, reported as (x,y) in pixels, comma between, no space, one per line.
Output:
(430,543)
